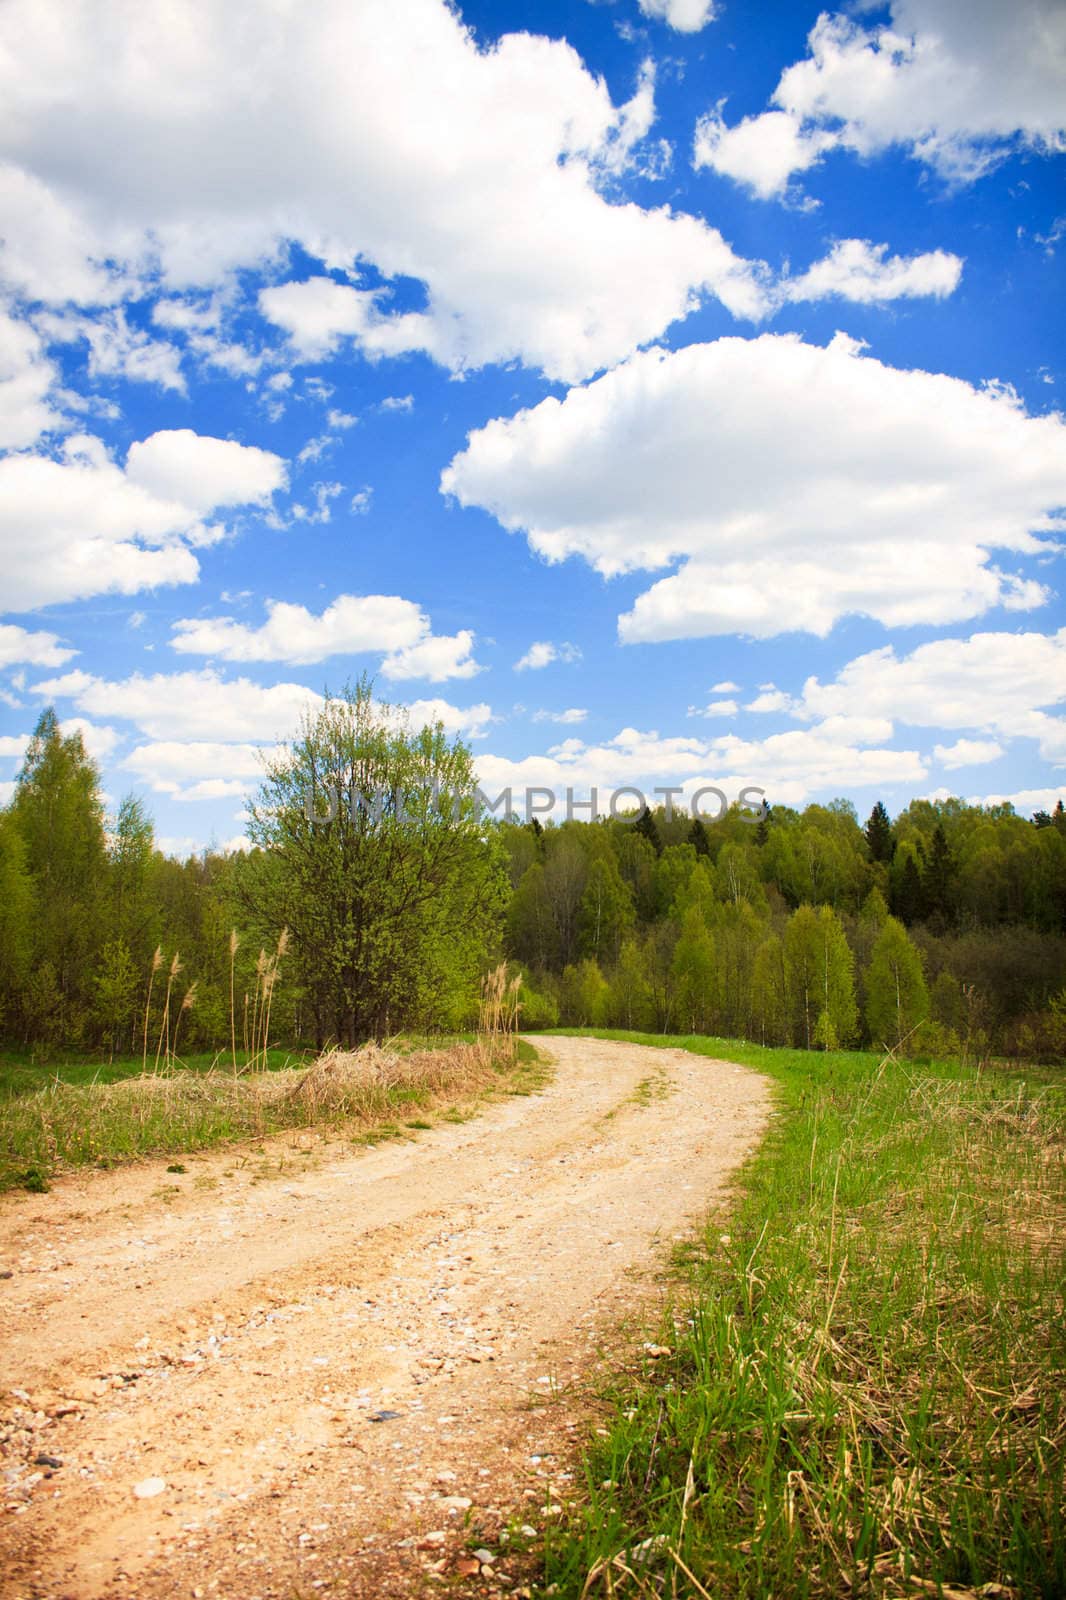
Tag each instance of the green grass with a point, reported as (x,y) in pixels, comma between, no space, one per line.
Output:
(80,1114)
(865,1390)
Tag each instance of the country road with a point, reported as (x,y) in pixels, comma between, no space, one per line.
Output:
(326,1371)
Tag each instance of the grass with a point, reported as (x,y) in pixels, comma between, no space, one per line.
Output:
(81,1115)
(865,1390)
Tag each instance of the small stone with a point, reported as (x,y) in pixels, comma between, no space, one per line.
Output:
(467,1567)
(486,1557)
(383,1416)
(148,1488)
(47,1461)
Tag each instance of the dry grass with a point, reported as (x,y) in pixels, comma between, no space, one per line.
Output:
(173,1111)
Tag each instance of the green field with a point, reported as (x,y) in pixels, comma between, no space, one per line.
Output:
(865,1390)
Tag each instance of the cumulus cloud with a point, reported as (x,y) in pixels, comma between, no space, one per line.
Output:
(357,132)
(857,270)
(568,718)
(35,649)
(26,379)
(1000,683)
(82,525)
(796,484)
(543,652)
(957,87)
(715,708)
(189,705)
(967,753)
(828,758)
(212,714)
(351,625)
(687,16)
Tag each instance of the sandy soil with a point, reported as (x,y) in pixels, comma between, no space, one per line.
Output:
(347,1370)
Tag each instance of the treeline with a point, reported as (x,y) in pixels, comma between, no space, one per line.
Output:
(946,928)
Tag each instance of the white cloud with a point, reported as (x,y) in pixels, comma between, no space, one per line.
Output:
(687,16)
(203,711)
(117,349)
(956,86)
(82,525)
(967,753)
(13,746)
(568,718)
(36,649)
(204,473)
(189,705)
(790,766)
(715,708)
(761,152)
(1024,801)
(436,658)
(797,484)
(357,132)
(855,269)
(727,686)
(26,379)
(999,683)
(169,763)
(350,625)
(543,652)
(771,699)
(7,791)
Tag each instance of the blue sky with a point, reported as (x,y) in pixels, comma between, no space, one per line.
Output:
(659,391)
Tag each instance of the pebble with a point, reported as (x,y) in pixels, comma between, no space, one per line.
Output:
(148,1488)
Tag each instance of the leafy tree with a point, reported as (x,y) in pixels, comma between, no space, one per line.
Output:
(394,904)
(605,914)
(803,960)
(17,921)
(695,974)
(117,983)
(59,814)
(896,996)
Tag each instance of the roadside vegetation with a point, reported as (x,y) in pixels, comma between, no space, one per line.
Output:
(99,1117)
(861,1386)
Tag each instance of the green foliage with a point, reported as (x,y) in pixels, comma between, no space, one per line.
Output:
(393,905)
(897,1000)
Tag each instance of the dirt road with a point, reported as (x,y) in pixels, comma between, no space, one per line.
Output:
(339,1372)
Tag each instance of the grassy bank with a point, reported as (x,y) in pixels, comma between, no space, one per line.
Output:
(79,1114)
(865,1390)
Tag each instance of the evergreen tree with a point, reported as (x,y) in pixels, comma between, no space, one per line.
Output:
(938,878)
(697,837)
(908,895)
(880,839)
(896,996)
(648,829)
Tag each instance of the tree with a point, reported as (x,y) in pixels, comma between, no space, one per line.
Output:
(938,879)
(605,914)
(697,837)
(803,952)
(646,826)
(17,920)
(59,814)
(117,982)
(838,1015)
(879,836)
(394,902)
(695,974)
(896,996)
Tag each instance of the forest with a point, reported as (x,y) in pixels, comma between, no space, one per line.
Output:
(940,932)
